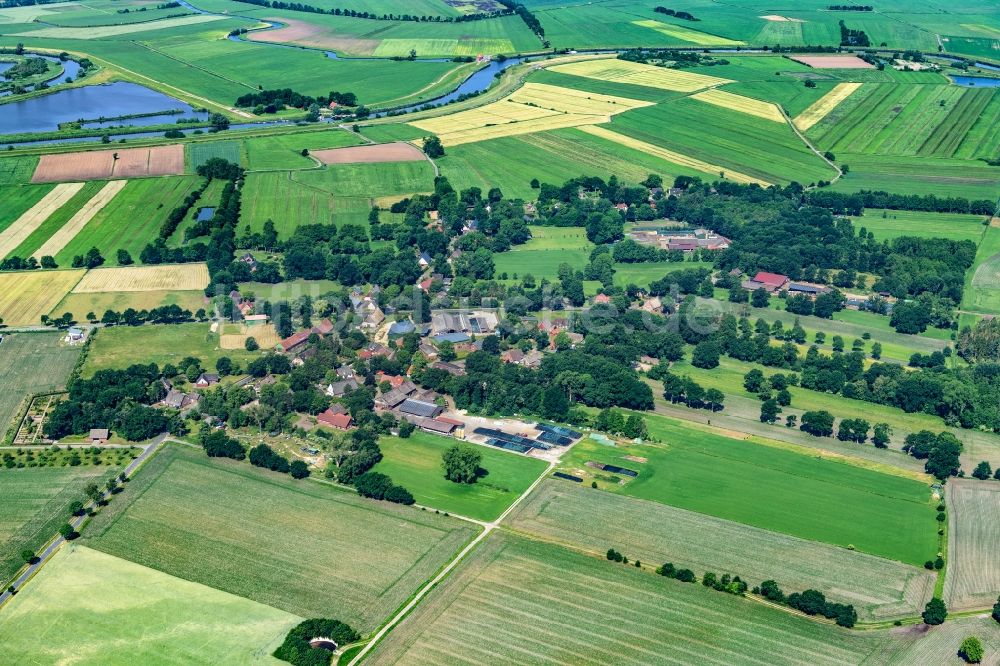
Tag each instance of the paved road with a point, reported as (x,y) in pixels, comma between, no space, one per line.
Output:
(76,522)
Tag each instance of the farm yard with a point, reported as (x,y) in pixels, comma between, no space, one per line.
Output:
(106,164)
(973,575)
(26,296)
(305,572)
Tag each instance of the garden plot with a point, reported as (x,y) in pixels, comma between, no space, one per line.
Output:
(754,107)
(176,277)
(973,579)
(824,105)
(106,164)
(34,217)
(624,71)
(68,232)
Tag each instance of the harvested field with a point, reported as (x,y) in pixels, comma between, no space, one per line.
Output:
(749,105)
(26,296)
(534,107)
(824,105)
(315,36)
(179,277)
(687,34)
(624,71)
(265,335)
(581,518)
(68,232)
(34,217)
(383,152)
(973,542)
(833,62)
(101,164)
(782,19)
(671,156)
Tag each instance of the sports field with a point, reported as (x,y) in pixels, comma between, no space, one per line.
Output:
(87,607)
(544,252)
(284,531)
(886,224)
(583,518)
(515,601)
(173,277)
(777,489)
(26,296)
(973,572)
(415,464)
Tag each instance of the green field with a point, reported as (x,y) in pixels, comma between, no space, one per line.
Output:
(284,151)
(36,504)
(370,180)
(582,518)
(643,273)
(774,489)
(516,601)
(982,281)
(17,170)
(87,607)
(79,305)
(199,152)
(886,224)
(918,175)
(56,220)
(32,363)
(415,464)
(313,550)
(122,346)
(17,200)
(277,197)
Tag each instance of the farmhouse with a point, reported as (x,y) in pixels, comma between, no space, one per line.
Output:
(335,420)
(206,379)
(512,356)
(450,368)
(338,389)
(770,282)
(294,341)
(684,240)
(420,408)
(345,372)
(392,399)
(807,289)
(74,334)
(179,400)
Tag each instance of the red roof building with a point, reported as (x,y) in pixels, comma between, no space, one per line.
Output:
(335,420)
(602,298)
(295,340)
(772,280)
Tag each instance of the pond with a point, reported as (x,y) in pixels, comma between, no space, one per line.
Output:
(45,113)
(976,81)
(70,69)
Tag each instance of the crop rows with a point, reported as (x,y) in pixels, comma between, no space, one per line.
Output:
(624,71)
(974,530)
(180,277)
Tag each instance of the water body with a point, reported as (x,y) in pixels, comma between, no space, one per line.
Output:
(145,121)
(45,113)
(71,69)
(976,81)
(983,65)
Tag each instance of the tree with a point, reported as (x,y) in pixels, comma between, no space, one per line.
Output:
(881,434)
(218,122)
(935,612)
(817,423)
(971,650)
(433,147)
(251,344)
(67,532)
(996,610)
(705,355)
(298,469)
(769,410)
(224,366)
(124,258)
(461,464)
(753,381)
(28,556)
(982,471)
(406,429)
(715,399)
(555,405)
(760,298)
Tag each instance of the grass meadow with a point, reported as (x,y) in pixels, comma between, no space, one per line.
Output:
(888,224)
(17,171)
(982,281)
(85,607)
(32,363)
(516,601)
(119,301)
(36,504)
(199,152)
(278,197)
(777,489)
(18,200)
(917,175)
(313,550)
(973,572)
(582,518)
(284,151)
(415,464)
(54,222)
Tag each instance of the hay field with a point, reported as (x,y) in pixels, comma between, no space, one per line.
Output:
(534,107)
(382,152)
(749,105)
(68,232)
(824,105)
(180,277)
(624,71)
(582,518)
(104,31)
(86,607)
(265,335)
(26,296)
(671,156)
(309,549)
(686,34)
(119,301)
(516,601)
(34,217)
(973,579)
(102,164)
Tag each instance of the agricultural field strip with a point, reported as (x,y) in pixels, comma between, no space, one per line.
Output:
(973,578)
(179,277)
(623,71)
(265,335)
(583,518)
(733,102)
(34,217)
(669,155)
(824,105)
(68,232)
(100,32)
(26,296)
(686,34)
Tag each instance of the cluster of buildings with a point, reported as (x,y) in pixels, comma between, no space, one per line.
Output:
(684,240)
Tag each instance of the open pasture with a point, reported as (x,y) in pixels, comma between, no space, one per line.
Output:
(65,235)
(676,32)
(415,464)
(85,607)
(982,282)
(833,62)
(534,107)
(105,31)
(32,363)
(276,197)
(18,230)
(17,170)
(582,518)
(516,601)
(777,489)
(973,571)
(624,71)
(284,151)
(368,154)
(643,273)
(824,105)
(368,181)
(945,177)
(36,502)
(886,224)
(345,557)
(100,301)
(753,107)
(26,296)
(180,277)
(106,164)
(200,152)
(18,200)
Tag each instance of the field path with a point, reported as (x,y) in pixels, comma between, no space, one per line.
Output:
(810,146)
(68,232)
(35,216)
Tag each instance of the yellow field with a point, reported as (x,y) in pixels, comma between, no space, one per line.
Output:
(535,107)
(686,34)
(179,277)
(265,335)
(748,105)
(99,302)
(824,105)
(26,296)
(671,156)
(623,71)
(34,217)
(68,232)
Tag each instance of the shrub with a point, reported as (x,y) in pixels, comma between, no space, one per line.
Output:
(296,649)
(971,650)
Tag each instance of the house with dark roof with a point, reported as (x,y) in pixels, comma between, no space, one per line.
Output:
(512,355)
(400,328)
(345,372)
(427,410)
(450,368)
(338,389)
(206,379)
(424,259)
(392,399)
(807,289)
